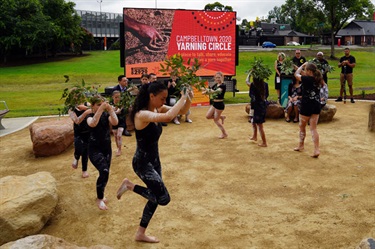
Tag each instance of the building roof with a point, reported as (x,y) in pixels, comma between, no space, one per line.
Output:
(276,29)
(358,28)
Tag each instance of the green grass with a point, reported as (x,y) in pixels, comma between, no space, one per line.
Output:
(36,89)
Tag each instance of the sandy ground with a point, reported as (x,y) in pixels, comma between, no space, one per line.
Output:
(225,193)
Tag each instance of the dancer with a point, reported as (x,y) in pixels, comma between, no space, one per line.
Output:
(118,129)
(217,93)
(258,94)
(81,137)
(100,150)
(148,113)
(310,104)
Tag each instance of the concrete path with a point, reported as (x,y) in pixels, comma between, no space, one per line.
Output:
(15,124)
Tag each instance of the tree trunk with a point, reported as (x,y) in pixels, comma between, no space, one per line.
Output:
(332,45)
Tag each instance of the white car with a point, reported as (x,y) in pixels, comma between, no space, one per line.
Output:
(293,43)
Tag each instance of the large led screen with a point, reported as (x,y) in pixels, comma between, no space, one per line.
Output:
(151,35)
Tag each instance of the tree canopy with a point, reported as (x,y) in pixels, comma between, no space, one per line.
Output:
(216,6)
(38,26)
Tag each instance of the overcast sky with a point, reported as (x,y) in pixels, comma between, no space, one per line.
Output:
(246,9)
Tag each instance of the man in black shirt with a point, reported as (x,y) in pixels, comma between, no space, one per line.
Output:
(298,59)
(322,65)
(347,63)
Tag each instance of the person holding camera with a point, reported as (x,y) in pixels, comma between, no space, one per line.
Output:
(347,63)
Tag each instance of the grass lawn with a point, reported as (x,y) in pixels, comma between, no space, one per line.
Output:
(36,89)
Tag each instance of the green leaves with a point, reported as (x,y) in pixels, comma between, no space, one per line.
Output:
(259,70)
(287,67)
(76,95)
(185,71)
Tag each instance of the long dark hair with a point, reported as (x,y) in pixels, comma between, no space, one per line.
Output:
(259,85)
(143,98)
(319,82)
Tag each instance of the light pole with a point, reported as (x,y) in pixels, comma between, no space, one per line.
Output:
(101,24)
(100,5)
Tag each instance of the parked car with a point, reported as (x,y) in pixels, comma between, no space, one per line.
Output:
(293,43)
(268,44)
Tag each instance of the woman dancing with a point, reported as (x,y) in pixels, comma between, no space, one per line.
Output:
(100,150)
(258,94)
(148,113)
(311,82)
(81,137)
(216,109)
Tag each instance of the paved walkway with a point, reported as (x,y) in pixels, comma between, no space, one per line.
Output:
(15,124)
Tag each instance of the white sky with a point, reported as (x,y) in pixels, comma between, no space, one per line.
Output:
(248,9)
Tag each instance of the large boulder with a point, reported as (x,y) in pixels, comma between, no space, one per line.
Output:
(26,204)
(371,118)
(327,113)
(45,241)
(368,243)
(274,110)
(51,137)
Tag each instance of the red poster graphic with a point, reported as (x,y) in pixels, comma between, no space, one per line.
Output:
(152,34)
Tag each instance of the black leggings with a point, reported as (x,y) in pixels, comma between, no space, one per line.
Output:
(156,193)
(81,149)
(101,159)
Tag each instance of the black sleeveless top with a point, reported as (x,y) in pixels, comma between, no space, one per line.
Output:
(100,135)
(147,140)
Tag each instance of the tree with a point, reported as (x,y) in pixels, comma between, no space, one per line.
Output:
(217,7)
(338,12)
(38,25)
(276,13)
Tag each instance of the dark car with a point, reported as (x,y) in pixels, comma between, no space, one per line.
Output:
(268,44)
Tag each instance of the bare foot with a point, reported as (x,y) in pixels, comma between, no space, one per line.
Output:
(223,136)
(85,174)
(144,238)
(253,138)
(101,204)
(118,153)
(298,149)
(316,154)
(75,164)
(223,118)
(123,188)
(262,145)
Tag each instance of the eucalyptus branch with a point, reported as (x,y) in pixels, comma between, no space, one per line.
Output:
(185,71)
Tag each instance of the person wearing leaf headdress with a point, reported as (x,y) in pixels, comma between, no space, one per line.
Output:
(259,93)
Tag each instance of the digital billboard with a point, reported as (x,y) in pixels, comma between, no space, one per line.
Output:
(150,35)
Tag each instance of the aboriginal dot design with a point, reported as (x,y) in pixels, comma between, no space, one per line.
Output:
(213,23)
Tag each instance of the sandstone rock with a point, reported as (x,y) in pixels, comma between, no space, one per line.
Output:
(371,118)
(327,113)
(368,243)
(51,137)
(275,111)
(45,241)
(26,204)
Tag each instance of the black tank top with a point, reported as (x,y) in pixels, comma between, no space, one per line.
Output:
(148,138)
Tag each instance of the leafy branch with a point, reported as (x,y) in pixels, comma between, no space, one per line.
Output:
(259,70)
(185,71)
(76,95)
(323,67)
(287,67)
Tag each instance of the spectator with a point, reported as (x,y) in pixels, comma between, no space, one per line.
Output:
(122,87)
(347,63)
(322,65)
(298,59)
